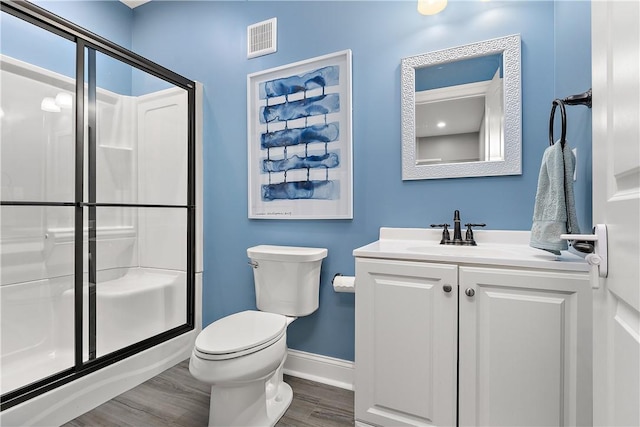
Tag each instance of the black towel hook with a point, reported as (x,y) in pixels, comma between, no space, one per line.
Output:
(563,114)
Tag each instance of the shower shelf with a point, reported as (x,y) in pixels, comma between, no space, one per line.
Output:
(67,234)
(115,147)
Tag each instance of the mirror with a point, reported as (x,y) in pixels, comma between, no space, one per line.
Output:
(461,111)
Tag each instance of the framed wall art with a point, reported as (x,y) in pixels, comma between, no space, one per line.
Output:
(300,140)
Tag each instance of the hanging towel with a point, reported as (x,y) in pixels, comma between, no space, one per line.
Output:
(555,211)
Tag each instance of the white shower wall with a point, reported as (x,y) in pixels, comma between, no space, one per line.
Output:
(162,131)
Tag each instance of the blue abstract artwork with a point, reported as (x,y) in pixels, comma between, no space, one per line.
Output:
(321,78)
(307,107)
(300,140)
(281,109)
(305,135)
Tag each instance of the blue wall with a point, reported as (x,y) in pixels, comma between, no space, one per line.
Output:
(107,18)
(573,76)
(472,70)
(206,41)
(28,43)
(110,19)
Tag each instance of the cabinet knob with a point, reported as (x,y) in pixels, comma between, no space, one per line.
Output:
(469,292)
(447,288)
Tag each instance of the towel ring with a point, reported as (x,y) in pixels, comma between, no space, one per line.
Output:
(579,99)
(563,114)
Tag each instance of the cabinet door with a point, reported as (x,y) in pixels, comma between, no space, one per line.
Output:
(525,348)
(406,343)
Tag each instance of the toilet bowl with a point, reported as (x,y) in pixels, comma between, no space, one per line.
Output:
(242,356)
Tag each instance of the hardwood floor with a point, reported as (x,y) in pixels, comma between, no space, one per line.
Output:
(176,399)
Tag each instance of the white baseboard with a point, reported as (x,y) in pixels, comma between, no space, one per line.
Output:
(322,369)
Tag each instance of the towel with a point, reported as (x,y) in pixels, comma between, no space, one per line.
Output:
(555,210)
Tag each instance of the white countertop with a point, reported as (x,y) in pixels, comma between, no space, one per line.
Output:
(495,247)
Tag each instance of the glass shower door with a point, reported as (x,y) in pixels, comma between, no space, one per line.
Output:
(37,164)
(136,201)
(97,213)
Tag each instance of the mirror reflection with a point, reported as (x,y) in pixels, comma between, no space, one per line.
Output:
(461,111)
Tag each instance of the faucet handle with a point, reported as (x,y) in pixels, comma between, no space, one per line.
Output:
(445,233)
(469,240)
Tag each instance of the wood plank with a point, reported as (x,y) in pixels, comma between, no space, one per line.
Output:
(176,399)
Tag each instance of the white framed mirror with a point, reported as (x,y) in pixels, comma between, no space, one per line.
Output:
(461,111)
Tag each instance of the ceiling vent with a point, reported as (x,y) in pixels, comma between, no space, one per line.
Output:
(261,38)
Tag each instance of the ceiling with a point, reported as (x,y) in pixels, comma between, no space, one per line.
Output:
(463,115)
(134,3)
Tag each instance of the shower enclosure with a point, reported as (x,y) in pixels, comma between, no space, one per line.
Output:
(97,203)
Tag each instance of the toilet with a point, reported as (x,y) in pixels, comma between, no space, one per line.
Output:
(242,355)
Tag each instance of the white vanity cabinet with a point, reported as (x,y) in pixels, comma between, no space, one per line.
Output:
(524,348)
(406,334)
(470,344)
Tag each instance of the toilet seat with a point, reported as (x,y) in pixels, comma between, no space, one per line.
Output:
(240,334)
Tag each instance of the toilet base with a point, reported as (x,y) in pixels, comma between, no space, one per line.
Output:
(258,403)
(278,404)
(226,409)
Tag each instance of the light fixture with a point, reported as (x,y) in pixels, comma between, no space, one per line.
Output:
(64,100)
(441,124)
(431,7)
(49,105)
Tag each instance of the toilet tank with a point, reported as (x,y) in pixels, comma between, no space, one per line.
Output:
(287,278)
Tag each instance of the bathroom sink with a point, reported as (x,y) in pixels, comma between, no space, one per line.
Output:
(495,247)
(487,251)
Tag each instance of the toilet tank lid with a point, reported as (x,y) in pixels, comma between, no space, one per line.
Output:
(286,253)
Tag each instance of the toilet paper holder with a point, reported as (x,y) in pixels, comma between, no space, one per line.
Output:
(343,283)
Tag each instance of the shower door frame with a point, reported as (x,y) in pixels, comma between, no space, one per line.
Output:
(88,42)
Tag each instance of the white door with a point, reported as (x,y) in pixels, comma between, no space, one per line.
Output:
(616,202)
